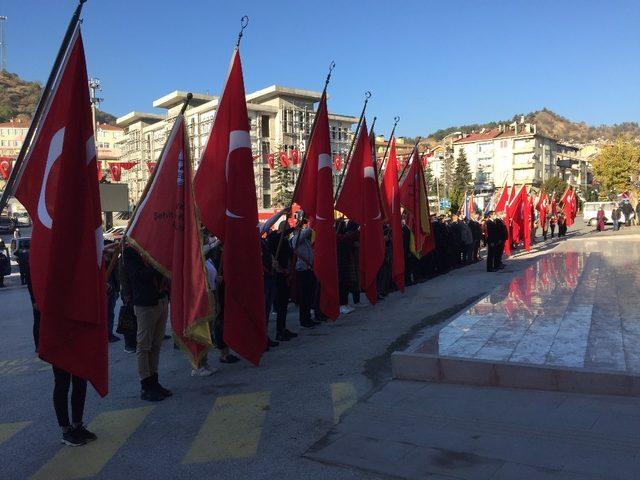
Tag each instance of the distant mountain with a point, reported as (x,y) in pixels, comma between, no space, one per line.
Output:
(18,99)
(555,126)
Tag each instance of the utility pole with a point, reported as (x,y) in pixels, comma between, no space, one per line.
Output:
(3,45)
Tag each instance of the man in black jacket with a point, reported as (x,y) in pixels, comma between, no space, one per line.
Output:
(150,303)
(492,243)
(503,237)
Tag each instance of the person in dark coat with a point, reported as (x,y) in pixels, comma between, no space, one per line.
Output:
(22,257)
(347,265)
(492,243)
(503,237)
(283,254)
(476,234)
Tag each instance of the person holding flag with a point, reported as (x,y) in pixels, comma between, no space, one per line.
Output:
(359,200)
(70,296)
(225,193)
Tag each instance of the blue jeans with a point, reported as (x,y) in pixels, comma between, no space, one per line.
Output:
(111,311)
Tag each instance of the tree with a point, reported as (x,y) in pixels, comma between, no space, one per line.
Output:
(616,166)
(428,179)
(461,180)
(554,184)
(283,185)
(447,173)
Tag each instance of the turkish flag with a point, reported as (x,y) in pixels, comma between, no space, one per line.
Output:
(284,160)
(391,199)
(226,196)
(337,162)
(166,230)
(360,201)
(270,160)
(519,211)
(414,198)
(116,171)
(5,168)
(127,165)
(295,157)
(542,206)
(315,197)
(570,205)
(58,186)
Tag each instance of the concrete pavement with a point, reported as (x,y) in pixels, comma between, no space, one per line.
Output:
(242,422)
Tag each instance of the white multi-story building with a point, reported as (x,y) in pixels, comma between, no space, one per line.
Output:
(280,119)
(517,154)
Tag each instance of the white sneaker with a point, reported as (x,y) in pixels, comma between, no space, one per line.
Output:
(203,372)
(346,309)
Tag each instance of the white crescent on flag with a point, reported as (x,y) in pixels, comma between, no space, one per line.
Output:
(55,150)
(237,139)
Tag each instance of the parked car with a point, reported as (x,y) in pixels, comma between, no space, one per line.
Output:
(590,211)
(114,233)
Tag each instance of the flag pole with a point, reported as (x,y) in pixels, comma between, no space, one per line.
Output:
(118,249)
(44,96)
(332,65)
(386,150)
(367,96)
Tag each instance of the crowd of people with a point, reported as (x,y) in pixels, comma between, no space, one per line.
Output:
(287,262)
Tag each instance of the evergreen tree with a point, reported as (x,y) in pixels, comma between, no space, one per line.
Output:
(447,174)
(461,181)
(283,184)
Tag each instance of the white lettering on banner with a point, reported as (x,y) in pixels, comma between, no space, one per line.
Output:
(55,150)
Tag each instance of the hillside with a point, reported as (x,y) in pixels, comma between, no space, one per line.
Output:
(18,98)
(556,126)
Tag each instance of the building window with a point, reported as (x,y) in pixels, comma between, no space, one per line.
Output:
(266,200)
(484,147)
(265,126)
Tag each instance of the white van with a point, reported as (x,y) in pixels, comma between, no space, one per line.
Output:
(590,211)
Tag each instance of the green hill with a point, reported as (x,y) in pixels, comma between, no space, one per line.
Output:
(555,126)
(18,98)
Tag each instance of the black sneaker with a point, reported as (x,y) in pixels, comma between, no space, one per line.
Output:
(271,343)
(129,349)
(229,359)
(164,391)
(73,438)
(308,324)
(282,337)
(113,339)
(290,334)
(86,434)
(152,395)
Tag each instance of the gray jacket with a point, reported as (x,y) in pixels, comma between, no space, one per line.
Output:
(301,244)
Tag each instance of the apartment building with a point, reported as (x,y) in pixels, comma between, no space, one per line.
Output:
(280,120)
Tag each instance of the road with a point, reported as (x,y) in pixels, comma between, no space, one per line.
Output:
(242,422)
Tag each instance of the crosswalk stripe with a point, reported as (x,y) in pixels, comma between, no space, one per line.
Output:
(8,430)
(232,429)
(112,428)
(343,396)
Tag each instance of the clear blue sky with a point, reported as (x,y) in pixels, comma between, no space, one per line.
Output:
(435,64)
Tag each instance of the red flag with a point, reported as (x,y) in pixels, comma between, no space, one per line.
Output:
(501,205)
(337,162)
(570,205)
(295,156)
(315,197)
(414,198)
(284,160)
(127,165)
(5,168)
(519,211)
(270,160)
(542,206)
(360,201)
(116,171)
(151,166)
(391,199)
(166,231)
(226,195)
(58,187)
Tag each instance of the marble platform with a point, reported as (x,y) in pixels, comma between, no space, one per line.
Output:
(570,322)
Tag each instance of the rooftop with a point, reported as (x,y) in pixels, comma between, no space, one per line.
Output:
(178,97)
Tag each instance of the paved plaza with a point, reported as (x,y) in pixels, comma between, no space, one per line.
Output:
(324,406)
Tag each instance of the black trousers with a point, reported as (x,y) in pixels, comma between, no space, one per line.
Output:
(64,380)
(36,327)
(491,256)
(306,294)
(281,301)
(499,253)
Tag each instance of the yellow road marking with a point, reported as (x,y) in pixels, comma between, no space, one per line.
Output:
(112,428)
(343,396)
(232,429)
(8,430)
